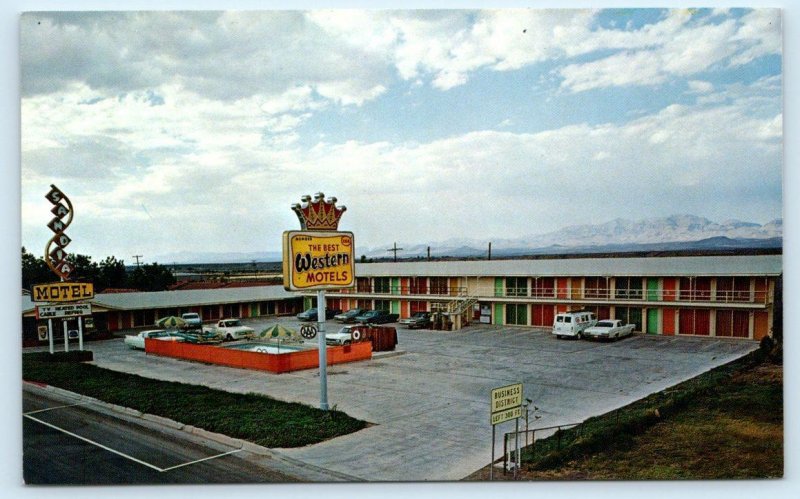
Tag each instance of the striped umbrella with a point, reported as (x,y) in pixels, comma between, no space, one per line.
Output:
(170,322)
(277,331)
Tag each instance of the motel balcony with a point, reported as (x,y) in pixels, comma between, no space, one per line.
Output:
(754,299)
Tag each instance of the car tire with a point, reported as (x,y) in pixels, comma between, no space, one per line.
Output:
(346,343)
(229,337)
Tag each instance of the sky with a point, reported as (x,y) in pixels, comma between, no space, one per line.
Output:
(197,131)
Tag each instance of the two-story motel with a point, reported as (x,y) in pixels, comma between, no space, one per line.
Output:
(722,296)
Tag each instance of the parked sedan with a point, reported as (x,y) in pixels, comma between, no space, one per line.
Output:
(350,315)
(136,341)
(376,317)
(419,319)
(311,314)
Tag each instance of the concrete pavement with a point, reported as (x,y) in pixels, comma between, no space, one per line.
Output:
(430,405)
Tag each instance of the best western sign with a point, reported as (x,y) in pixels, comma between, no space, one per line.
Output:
(62,292)
(318,260)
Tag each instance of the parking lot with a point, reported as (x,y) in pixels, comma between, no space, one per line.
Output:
(429,400)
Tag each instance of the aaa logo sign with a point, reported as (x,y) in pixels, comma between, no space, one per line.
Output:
(318,260)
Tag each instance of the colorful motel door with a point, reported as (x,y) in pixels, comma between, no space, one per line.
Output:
(652,289)
(652,320)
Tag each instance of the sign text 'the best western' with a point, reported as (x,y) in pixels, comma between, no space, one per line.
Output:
(318,260)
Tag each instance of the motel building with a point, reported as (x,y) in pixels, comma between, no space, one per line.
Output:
(728,296)
(721,296)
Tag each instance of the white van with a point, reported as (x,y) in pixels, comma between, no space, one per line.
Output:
(573,323)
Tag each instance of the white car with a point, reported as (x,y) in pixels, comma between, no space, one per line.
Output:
(344,336)
(608,329)
(136,341)
(231,329)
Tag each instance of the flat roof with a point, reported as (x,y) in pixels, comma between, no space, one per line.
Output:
(677,266)
(182,298)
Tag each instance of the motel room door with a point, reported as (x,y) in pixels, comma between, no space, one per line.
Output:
(652,321)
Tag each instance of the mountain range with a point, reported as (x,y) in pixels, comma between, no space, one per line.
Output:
(675,232)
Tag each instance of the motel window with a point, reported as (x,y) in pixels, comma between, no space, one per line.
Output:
(630,315)
(730,289)
(595,287)
(516,286)
(735,323)
(544,287)
(628,288)
(418,285)
(438,285)
(382,305)
(382,284)
(517,314)
(362,284)
(695,288)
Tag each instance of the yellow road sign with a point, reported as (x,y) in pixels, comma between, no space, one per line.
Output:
(63,292)
(506,397)
(503,416)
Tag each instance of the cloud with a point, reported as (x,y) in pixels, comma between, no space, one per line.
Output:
(680,49)
(700,87)
(176,129)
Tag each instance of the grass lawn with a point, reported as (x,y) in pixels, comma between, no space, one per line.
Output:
(725,424)
(252,417)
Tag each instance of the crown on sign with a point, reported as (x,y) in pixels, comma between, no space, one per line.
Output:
(319,214)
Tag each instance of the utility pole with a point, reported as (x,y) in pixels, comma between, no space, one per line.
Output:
(490,250)
(395,249)
(137,259)
(429,253)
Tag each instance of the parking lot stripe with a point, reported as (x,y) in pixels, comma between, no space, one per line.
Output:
(52,408)
(109,449)
(201,460)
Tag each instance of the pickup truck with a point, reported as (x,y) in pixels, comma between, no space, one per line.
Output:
(609,328)
(231,329)
(376,317)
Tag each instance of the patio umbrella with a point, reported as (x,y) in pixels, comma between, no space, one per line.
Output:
(277,331)
(170,322)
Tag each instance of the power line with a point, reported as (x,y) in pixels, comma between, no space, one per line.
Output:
(395,249)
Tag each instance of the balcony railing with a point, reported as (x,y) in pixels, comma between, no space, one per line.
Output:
(587,294)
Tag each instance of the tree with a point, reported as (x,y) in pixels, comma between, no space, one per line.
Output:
(83,268)
(151,277)
(35,271)
(111,274)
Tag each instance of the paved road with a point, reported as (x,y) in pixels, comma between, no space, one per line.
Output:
(73,444)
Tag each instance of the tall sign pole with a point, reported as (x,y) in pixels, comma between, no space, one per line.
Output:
(55,257)
(317,258)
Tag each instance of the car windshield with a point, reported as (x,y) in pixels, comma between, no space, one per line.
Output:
(344,330)
(605,324)
(232,323)
(190,316)
(353,312)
